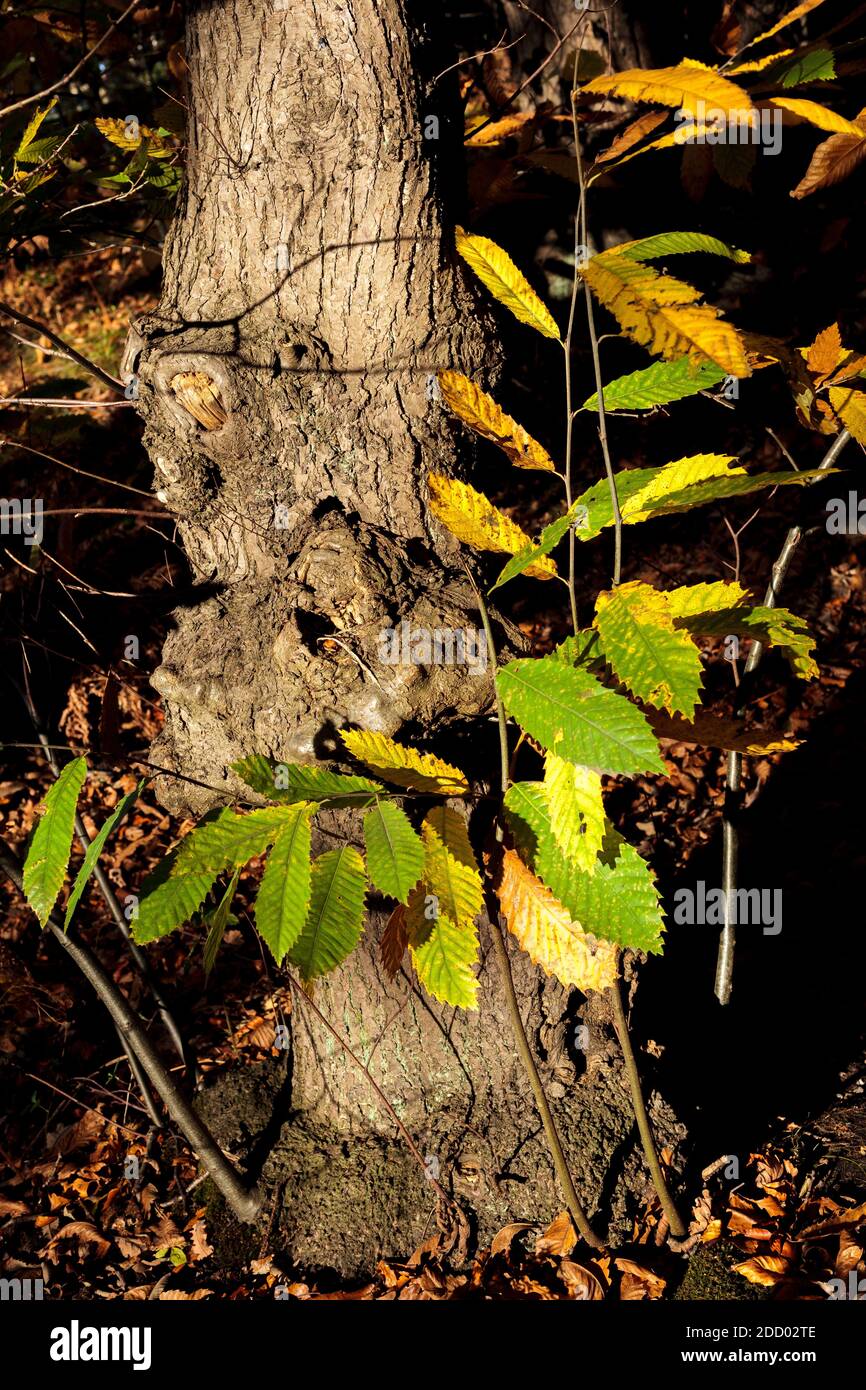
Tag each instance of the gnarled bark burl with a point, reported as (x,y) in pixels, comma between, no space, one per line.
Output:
(311,294)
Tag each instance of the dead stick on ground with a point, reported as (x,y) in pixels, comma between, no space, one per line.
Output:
(244,1203)
(730,828)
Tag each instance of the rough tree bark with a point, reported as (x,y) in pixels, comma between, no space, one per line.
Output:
(309,277)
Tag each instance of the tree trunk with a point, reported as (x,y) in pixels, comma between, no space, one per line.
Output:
(310,278)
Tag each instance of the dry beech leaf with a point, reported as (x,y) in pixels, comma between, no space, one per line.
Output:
(560,1237)
(637,1282)
(502,1241)
(581,1283)
(763,1269)
(394,941)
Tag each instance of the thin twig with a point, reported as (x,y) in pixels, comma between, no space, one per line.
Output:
(73,73)
(730,829)
(530,79)
(244,1203)
(83,472)
(596,359)
(95,370)
(109,895)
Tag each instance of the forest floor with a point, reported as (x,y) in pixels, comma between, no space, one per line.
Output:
(104,1207)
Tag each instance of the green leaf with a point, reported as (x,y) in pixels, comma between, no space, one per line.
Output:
(722,487)
(819,65)
(547,541)
(691,599)
(395,853)
(450,870)
(335,918)
(658,384)
(48,855)
(658,663)
(443,954)
(217,922)
(39,150)
(632,482)
(168,899)
(284,894)
(31,130)
(576,808)
(231,839)
(96,847)
(618,902)
(178,886)
(582,648)
(773,627)
(571,714)
(678,243)
(293,782)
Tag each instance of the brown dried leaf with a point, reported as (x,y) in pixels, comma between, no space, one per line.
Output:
(582,1283)
(637,1282)
(763,1269)
(394,941)
(833,160)
(560,1237)
(502,1241)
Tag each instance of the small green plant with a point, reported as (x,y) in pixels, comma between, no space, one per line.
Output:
(569,887)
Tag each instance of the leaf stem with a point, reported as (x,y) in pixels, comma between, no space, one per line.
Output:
(580,241)
(640,1112)
(554,1143)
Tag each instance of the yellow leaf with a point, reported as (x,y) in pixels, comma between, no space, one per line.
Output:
(405,767)
(117,132)
(676,476)
(849,366)
(440,916)
(576,808)
(631,135)
(474,520)
(481,413)
(690,86)
(32,128)
(495,269)
(450,870)
(443,955)
(821,116)
(662,315)
(495,132)
(797,13)
(692,599)
(543,928)
(850,406)
(758,64)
